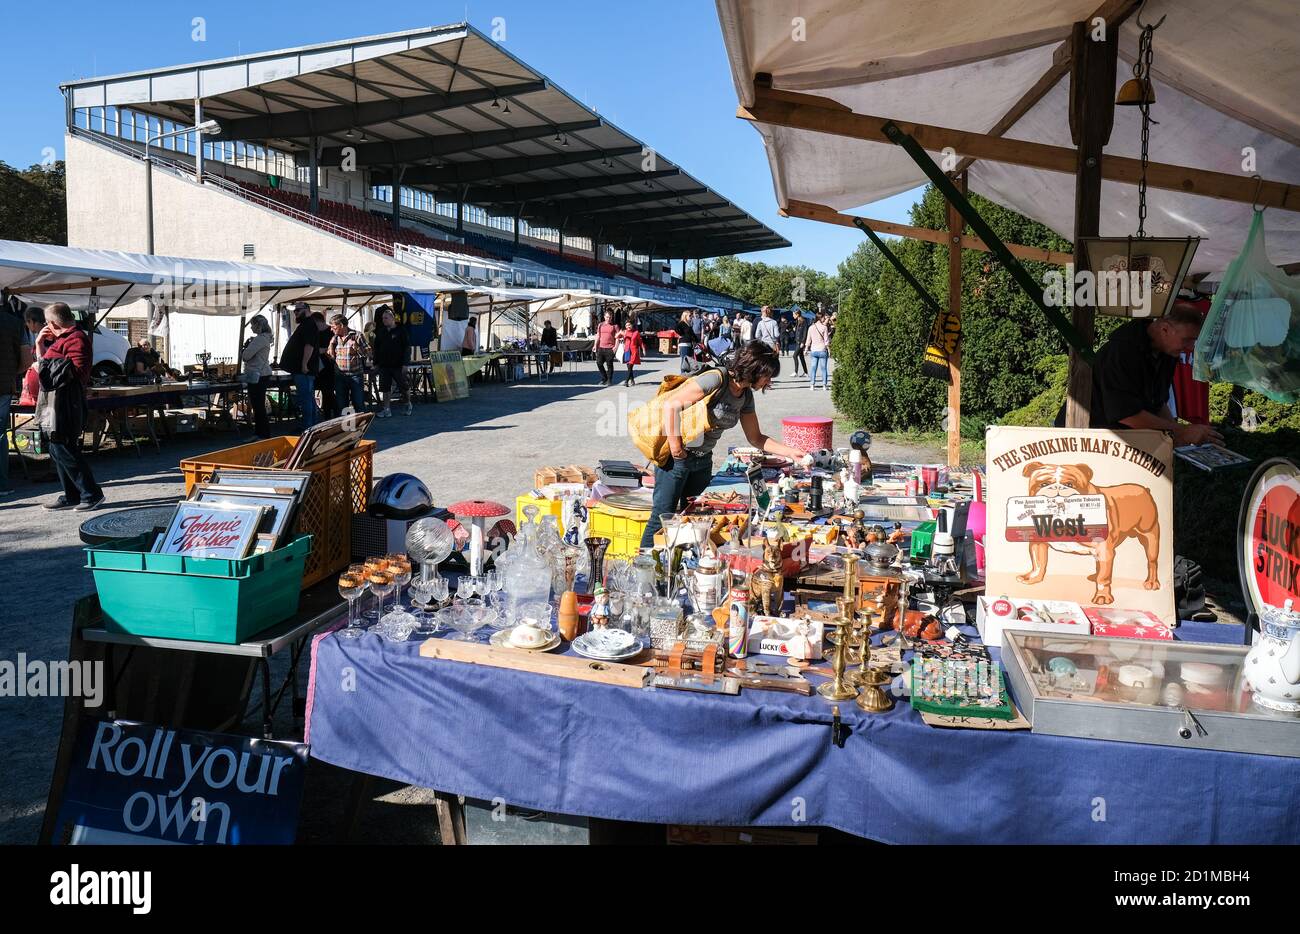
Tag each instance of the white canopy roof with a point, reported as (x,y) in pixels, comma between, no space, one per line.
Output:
(1227,81)
(42,273)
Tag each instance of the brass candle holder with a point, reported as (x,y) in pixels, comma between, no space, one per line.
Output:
(874,698)
(839,688)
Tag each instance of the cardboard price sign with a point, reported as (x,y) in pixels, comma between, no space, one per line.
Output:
(1056,518)
(1269,535)
(1081,515)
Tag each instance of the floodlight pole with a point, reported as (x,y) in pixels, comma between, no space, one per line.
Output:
(199,128)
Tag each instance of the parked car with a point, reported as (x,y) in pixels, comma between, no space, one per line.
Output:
(110,347)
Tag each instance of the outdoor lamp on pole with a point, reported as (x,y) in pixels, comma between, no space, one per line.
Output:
(206,128)
(1125,269)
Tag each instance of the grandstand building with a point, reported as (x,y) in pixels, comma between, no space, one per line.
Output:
(431,151)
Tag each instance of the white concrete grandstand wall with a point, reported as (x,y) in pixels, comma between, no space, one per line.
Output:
(106,211)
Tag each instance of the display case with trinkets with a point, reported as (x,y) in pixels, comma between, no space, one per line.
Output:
(1142,691)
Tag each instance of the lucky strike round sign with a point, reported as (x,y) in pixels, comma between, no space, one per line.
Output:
(1269,553)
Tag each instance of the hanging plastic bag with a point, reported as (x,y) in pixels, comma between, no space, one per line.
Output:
(1251,336)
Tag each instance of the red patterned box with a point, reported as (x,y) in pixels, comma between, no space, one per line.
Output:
(1127,624)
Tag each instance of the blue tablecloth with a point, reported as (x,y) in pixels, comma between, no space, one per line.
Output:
(766,759)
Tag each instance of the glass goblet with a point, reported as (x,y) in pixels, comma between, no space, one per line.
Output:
(351,587)
(373,566)
(401,572)
(381,585)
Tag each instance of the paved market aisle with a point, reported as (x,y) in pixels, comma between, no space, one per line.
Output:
(484,446)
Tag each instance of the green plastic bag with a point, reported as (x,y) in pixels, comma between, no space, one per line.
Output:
(1251,336)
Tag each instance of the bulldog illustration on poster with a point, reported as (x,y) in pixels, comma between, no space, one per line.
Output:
(1081,515)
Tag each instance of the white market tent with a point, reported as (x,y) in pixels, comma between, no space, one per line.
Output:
(1015,99)
(1226,76)
(43,273)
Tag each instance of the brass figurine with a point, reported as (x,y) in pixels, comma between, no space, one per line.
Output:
(767,583)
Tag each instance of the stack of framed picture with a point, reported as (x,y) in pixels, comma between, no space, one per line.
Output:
(236,514)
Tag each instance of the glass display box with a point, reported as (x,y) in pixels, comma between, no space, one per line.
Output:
(1143,691)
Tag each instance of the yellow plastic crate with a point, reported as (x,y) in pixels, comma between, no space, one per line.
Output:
(623,528)
(545,507)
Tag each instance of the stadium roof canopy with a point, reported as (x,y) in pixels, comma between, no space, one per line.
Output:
(446,109)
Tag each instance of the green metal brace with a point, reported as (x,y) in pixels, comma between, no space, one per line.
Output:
(992,241)
(898,264)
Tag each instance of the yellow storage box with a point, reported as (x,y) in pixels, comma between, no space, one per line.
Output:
(623,527)
(545,507)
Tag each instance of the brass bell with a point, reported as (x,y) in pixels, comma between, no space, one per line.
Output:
(1135,92)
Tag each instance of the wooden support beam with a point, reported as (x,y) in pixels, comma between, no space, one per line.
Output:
(1060,68)
(955,226)
(63,286)
(821,115)
(1092,114)
(1113,13)
(820,212)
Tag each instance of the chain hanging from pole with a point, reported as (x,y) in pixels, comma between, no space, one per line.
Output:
(1142,72)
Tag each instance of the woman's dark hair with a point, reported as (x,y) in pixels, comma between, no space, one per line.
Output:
(753,362)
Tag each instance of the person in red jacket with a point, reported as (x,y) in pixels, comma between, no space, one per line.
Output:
(633,344)
(65,355)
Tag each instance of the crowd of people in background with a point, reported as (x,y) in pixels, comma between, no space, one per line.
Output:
(46,355)
(704,337)
(330,359)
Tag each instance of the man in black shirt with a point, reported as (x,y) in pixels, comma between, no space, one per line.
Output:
(550,344)
(1134,371)
(301,358)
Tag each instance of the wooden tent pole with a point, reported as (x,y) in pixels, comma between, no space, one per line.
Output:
(1092,113)
(955,226)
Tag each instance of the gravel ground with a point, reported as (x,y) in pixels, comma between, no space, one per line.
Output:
(485,446)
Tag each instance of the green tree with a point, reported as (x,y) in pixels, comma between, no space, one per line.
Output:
(883,325)
(759,283)
(33,204)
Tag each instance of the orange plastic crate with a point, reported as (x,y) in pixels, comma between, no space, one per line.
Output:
(340,486)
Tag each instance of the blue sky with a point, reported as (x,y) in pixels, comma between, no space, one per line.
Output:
(657,70)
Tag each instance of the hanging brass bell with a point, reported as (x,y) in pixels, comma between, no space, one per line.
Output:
(1135,92)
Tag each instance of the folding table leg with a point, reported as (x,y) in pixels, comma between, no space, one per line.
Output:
(267,730)
(358,794)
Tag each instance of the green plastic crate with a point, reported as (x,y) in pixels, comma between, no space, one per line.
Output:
(922,539)
(201,599)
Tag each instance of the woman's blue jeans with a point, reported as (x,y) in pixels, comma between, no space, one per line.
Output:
(821,361)
(684,479)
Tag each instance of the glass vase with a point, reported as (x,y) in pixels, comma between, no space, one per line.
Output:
(596,548)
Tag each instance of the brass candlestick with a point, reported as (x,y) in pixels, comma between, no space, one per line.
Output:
(874,698)
(838,688)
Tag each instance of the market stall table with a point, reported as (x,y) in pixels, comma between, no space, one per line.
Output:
(318,608)
(763,759)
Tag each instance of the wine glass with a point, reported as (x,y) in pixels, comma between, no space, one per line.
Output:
(351,587)
(381,585)
(372,566)
(438,590)
(491,583)
(401,572)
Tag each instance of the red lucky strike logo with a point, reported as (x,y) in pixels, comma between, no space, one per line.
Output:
(206,532)
(1275,544)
